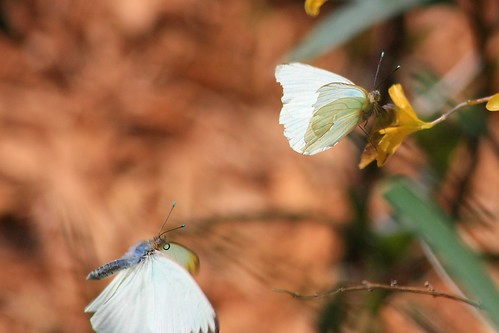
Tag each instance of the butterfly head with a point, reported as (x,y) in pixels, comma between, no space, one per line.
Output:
(161,244)
(374,96)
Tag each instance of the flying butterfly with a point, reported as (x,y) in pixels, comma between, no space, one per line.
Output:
(153,291)
(319,107)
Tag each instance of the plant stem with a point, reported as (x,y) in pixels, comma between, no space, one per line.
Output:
(469,102)
(369,286)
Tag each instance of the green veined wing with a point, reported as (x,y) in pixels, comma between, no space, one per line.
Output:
(339,109)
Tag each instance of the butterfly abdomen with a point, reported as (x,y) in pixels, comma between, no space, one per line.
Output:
(109,269)
(133,256)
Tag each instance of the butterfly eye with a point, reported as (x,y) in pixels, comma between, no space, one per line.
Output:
(166,246)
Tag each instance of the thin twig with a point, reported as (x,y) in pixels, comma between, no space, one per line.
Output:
(469,102)
(370,286)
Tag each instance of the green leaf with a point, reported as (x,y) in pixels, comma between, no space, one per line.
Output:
(333,315)
(419,213)
(448,136)
(347,22)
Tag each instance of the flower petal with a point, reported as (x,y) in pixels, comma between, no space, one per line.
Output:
(493,103)
(392,125)
(312,7)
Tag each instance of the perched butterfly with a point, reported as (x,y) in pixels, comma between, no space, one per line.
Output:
(153,292)
(320,107)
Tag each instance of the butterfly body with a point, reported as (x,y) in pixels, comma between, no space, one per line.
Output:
(320,107)
(132,257)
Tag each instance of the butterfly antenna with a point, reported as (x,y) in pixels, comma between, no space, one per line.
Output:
(174,228)
(166,219)
(388,76)
(377,69)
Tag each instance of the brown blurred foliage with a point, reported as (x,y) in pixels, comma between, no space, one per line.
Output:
(111,110)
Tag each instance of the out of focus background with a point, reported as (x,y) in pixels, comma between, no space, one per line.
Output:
(111,110)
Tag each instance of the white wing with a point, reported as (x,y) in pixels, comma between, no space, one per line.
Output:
(301,84)
(156,295)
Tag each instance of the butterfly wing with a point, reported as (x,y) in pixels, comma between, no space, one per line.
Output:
(117,308)
(182,255)
(187,306)
(319,107)
(156,295)
(338,110)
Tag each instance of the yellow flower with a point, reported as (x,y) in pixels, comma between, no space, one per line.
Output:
(392,125)
(493,103)
(312,7)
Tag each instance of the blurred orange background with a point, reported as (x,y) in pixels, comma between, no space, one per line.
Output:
(109,111)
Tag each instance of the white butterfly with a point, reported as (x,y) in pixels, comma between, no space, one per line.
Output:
(153,292)
(320,107)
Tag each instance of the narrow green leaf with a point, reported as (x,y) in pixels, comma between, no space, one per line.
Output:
(346,22)
(419,213)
